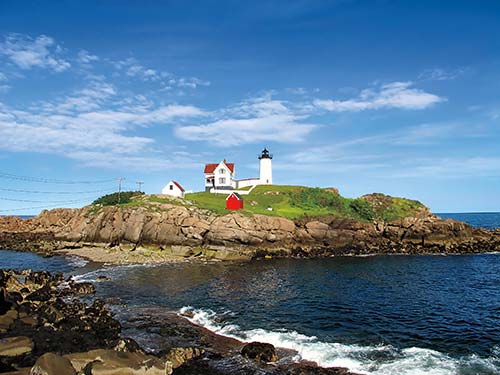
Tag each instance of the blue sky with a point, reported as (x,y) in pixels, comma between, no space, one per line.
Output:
(399,97)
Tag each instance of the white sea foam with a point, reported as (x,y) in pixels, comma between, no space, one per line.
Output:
(76,262)
(373,360)
(109,271)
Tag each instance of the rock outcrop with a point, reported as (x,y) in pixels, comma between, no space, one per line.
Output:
(191,232)
(44,334)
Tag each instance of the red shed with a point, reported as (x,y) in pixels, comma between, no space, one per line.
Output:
(234,202)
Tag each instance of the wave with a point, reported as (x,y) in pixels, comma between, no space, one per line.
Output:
(370,360)
(76,262)
(109,272)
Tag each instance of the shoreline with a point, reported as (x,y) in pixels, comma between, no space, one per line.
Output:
(42,333)
(116,257)
(113,256)
(186,330)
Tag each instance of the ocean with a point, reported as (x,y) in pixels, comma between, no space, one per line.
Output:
(488,220)
(375,315)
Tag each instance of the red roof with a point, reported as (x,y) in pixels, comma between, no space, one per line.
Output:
(179,186)
(210,168)
(236,195)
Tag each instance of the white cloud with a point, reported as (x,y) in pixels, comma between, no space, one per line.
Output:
(86,99)
(400,95)
(132,68)
(3,77)
(254,120)
(192,83)
(233,132)
(110,160)
(90,123)
(439,74)
(28,53)
(452,167)
(84,57)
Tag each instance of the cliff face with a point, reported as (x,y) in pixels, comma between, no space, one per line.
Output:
(190,231)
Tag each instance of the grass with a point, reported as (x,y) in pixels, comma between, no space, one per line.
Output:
(292,202)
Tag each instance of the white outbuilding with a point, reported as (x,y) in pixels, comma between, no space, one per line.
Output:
(174,189)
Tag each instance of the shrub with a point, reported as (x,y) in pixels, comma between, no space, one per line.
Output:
(362,208)
(117,198)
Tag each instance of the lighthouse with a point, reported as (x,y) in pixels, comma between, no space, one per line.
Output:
(266,168)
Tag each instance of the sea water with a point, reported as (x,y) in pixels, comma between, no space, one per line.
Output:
(374,315)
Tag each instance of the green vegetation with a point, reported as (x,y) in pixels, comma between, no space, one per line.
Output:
(391,208)
(125,197)
(292,202)
(296,201)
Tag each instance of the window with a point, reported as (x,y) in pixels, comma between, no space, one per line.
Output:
(222,180)
(171,187)
(222,171)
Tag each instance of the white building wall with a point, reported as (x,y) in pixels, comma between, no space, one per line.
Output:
(248,182)
(266,171)
(223,172)
(172,190)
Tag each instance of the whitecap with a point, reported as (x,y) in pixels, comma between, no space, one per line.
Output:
(368,359)
(76,262)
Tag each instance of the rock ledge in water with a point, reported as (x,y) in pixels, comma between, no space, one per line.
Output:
(260,351)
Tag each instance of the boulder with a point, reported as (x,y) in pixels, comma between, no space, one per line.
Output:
(260,351)
(7,319)
(15,346)
(13,284)
(128,345)
(182,251)
(111,362)
(178,356)
(52,364)
(4,304)
(21,371)
(81,288)
(43,294)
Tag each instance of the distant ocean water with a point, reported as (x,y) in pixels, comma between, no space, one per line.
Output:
(488,220)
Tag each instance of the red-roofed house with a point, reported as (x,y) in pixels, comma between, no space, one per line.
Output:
(219,176)
(174,189)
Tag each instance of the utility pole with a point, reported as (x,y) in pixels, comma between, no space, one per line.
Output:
(140,183)
(120,179)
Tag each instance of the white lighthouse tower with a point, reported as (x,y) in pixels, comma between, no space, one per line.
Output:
(266,168)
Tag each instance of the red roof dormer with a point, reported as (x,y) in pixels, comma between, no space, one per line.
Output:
(210,168)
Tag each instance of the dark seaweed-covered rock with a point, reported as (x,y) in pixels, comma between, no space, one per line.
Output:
(260,351)
(79,288)
(32,305)
(4,304)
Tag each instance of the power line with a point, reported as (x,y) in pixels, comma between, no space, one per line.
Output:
(43,207)
(31,201)
(56,192)
(50,180)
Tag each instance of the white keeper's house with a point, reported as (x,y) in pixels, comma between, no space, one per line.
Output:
(174,189)
(221,176)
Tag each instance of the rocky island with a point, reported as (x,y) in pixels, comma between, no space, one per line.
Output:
(51,325)
(278,221)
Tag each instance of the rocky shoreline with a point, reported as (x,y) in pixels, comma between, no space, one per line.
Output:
(175,233)
(53,326)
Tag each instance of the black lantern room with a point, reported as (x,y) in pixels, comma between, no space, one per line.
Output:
(265,154)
